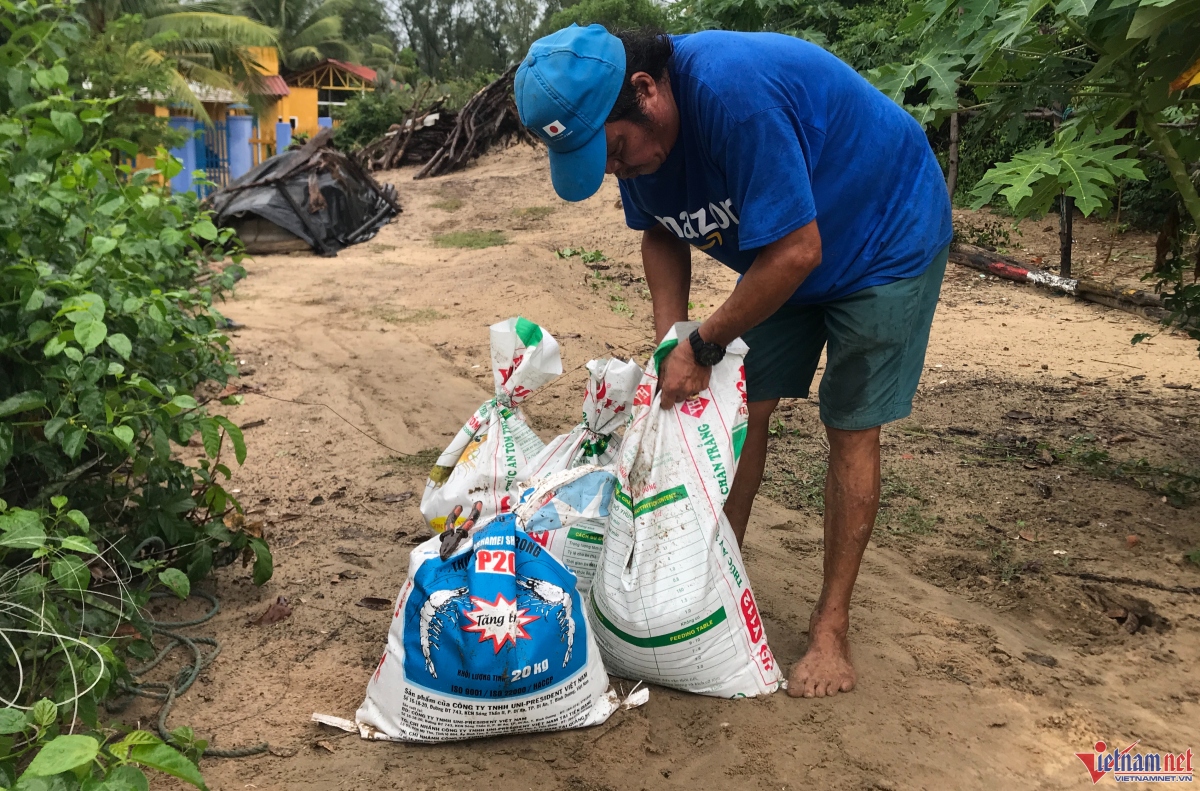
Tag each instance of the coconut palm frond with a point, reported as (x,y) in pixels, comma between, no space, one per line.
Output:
(200,73)
(319,32)
(242,30)
(330,8)
(303,57)
(182,92)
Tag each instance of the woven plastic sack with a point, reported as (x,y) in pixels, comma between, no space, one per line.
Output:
(671,600)
(610,388)
(566,512)
(482,461)
(492,640)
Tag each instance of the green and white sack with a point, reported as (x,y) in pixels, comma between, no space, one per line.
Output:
(482,461)
(671,601)
(610,388)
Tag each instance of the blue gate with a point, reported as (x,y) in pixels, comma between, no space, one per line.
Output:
(212,156)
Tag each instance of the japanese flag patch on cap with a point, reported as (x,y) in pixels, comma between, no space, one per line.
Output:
(554,128)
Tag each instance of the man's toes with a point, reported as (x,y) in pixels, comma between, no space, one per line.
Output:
(847,684)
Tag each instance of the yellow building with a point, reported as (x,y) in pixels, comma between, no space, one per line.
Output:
(303,99)
(233,139)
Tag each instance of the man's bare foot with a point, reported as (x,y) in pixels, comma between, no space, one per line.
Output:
(825,669)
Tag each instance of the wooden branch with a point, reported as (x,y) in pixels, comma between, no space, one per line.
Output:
(1090,577)
(488,118)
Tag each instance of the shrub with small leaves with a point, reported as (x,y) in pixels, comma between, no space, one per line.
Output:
(108,333)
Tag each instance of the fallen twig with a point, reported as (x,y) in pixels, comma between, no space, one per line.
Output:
(1091,577)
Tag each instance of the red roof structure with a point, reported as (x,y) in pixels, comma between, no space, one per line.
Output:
(334,75)
(362,71)
(273,85)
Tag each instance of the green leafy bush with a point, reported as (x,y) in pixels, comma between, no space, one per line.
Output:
(107,336)
(82,761)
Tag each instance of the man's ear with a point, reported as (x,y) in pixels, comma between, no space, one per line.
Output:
(644,84)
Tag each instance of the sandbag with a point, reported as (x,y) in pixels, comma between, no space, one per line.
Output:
(492,640)
(566,513)
(482,461)
(606,402)
(671,599)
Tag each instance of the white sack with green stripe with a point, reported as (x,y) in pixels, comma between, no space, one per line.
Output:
(482,461)
(671,602)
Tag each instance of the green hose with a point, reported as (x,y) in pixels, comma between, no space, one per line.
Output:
(187,675)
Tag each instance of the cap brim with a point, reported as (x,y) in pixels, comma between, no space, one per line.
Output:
(578,174)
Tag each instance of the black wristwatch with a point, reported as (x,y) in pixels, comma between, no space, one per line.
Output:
(706,354)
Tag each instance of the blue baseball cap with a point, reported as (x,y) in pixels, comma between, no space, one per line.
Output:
(565,89)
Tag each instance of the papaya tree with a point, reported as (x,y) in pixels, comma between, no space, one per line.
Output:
(1117,78)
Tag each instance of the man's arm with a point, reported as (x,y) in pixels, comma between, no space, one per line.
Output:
(667,260)
(773,277)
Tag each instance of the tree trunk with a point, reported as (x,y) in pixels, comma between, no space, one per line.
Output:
(1175,165)
(1066,214)
(952,158)
(1164,245)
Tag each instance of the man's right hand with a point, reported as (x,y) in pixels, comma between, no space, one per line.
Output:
(680,377)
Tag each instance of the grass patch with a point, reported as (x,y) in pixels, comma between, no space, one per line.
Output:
(447,204)
(587,256)
(893,487)
(797,479)
(1177,485)
(471,240)
(914,523)
(1000,555)
(422,459)
(405,315)
(533,212)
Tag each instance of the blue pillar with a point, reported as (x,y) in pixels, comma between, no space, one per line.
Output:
(325,123)
(185,153)
(239,128)
(283,136)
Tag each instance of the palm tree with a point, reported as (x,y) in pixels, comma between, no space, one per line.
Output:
(309,30)
(207,45)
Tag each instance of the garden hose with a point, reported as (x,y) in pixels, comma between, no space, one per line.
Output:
(187,675)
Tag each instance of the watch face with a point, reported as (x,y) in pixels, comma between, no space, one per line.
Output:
(706,354)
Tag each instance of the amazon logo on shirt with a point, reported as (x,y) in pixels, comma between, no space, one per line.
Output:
(704,224)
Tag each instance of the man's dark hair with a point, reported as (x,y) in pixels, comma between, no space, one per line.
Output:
(647,49)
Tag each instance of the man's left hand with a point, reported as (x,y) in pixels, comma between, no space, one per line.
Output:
(682,378)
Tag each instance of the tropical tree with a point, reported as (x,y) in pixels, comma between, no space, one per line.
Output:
(205,44)
(310,30)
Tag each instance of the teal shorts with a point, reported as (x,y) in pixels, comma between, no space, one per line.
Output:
(876,338)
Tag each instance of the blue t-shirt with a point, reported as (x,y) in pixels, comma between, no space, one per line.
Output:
(776,132)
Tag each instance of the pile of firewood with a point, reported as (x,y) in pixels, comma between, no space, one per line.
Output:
(489,118)
(413,142)
(443,140)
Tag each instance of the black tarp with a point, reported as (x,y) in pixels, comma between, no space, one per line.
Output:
(315,192)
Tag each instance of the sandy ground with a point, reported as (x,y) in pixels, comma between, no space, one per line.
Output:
(983,664)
